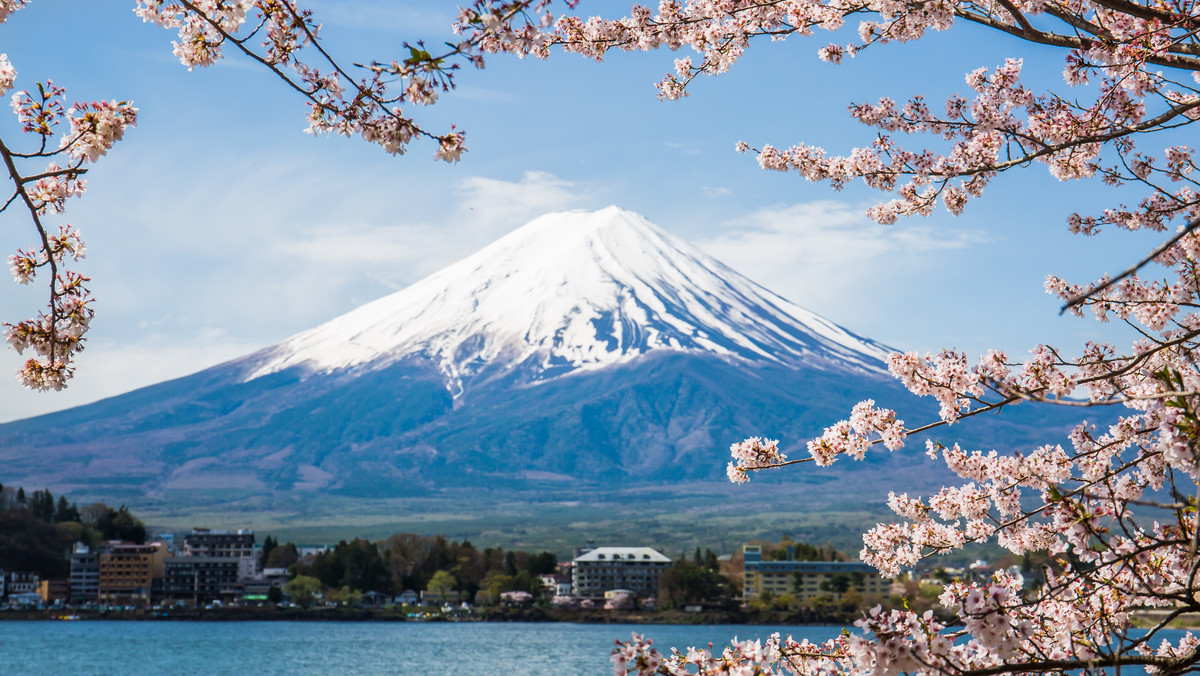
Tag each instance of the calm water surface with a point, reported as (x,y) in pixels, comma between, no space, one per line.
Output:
(262,648)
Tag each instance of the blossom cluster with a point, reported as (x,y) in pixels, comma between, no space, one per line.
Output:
(852,437)
(7,7)
(50,192)
(287,40)
(751,454)
(95,127)
(752,657)
(516,597)
(8,74)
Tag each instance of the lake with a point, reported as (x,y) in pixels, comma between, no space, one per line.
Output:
(261,648)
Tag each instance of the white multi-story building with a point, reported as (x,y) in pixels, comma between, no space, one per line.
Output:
(606,568)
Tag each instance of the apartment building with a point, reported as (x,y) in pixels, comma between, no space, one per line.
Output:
(602,569)
(127,571)
(22,583)
(806,579)
(208,542)
(200,579)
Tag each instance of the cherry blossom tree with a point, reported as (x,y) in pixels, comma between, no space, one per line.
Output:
(1115,507)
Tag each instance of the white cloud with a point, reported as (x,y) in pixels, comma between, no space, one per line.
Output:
(829,257)
(500,202)
(397,254)
(686,149)
(484,96)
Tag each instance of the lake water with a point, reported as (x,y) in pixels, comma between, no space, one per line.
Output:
(261,648)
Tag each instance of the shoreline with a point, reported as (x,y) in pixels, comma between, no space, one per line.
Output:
(498,615)
(738,616)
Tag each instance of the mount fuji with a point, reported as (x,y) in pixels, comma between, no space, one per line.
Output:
(569,293)
(583,351)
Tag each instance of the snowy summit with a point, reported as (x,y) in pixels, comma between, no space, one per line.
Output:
(574,291)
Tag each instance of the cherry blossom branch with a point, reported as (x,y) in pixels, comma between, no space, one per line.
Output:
(19,181)
(1167,665)
(58,333)
(1162,248)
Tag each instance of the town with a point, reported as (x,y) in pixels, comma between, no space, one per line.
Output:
(422,576)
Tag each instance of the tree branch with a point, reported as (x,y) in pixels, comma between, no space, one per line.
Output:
(1076,300)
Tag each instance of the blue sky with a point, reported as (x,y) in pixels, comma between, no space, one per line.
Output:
(217,227)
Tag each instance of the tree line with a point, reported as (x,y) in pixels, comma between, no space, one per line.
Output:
(416,562)
(36,531)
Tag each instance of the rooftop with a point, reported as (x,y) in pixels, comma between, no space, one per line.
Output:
(646,554)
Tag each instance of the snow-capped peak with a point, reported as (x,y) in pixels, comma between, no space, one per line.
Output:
(571,291)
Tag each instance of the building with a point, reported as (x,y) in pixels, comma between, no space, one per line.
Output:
(806,579)
(256,590)
(306,551)
(373,599)
(432,597)
(128,571)
(85,574)
(606,568)
(22,583)
(167,538)
(219,545)
(54,590)
(556,584)
(276,576)
(201,579)
(207,542)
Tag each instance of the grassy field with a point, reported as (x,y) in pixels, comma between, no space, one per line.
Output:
(677,519)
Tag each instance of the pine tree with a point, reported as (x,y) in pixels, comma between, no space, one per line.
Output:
(41,505)
(268,544)
(65,511)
